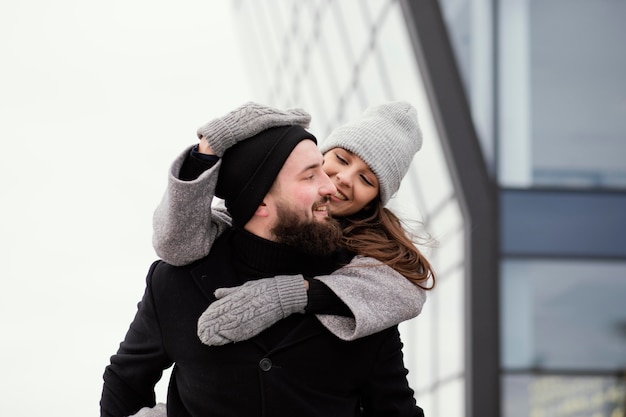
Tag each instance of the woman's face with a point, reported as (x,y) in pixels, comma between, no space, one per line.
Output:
(356,184)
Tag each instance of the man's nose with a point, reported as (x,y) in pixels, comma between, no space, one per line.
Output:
(327,187)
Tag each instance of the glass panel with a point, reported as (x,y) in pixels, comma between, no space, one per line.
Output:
(457,15)
(514,160)
(375,88)
(312,102)
(325,97)
(563,223)
(373,9)
(396,51)
(562,93)
(337,36)
(426,401)
(449,324)
(450,247)
(558,396)
(358,31)
(450,400)
(563,315)
(352,109)
(434,342)
(327,53)
(469,25)
(419,347)
(408,203)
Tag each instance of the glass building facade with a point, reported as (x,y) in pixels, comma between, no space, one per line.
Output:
(521,181)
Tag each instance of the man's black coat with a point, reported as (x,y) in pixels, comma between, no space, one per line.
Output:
(295,368)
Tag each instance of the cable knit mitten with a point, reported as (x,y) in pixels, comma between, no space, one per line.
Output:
(245,311)
(246,121)
(159,410)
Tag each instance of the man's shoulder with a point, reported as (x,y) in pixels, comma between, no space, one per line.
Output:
(163,271)
(204,275)
(163,276)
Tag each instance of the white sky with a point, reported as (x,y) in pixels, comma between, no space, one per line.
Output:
(96,99)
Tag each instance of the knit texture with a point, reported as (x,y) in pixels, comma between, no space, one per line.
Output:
(247,120)
(245,311)
(385,137)
(377,295)
(185,223)
(363,288)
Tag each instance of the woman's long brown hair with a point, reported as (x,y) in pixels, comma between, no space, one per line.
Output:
(378,233)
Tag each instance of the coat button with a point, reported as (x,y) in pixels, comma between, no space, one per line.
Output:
(265,364)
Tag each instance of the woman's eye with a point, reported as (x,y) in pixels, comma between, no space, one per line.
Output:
(341,159)
(367,181)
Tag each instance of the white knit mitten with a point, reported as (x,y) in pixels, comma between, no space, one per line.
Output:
(245,311)
(246,121)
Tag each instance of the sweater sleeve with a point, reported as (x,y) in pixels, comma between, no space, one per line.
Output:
(130,378)
(186,222)
(196,163)
(321,300)
(378,296)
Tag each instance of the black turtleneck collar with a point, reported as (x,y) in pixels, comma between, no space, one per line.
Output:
(258,257)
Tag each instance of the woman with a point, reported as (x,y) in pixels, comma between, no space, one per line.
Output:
(366,159)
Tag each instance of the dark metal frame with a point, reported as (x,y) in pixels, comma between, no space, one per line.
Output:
(478,197)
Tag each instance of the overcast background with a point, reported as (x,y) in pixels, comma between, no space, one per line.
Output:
(96,99)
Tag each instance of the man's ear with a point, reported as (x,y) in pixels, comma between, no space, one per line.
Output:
(262,210)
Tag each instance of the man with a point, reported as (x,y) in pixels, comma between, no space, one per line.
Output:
(277,193)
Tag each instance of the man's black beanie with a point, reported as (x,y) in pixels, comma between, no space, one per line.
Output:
(250,167)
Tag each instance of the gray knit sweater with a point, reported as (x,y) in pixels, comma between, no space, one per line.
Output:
(188,220)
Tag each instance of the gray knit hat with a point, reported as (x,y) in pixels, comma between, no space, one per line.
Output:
(385,137)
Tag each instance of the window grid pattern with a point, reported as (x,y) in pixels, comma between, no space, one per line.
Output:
(334,58)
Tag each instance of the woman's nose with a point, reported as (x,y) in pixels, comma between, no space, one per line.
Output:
(343,179)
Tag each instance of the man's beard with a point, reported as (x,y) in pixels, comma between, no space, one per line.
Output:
(311,236)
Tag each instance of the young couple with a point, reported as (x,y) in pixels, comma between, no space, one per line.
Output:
(246,158)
